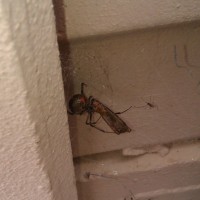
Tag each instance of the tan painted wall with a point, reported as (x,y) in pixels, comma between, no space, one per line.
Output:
(91,18)
(131,69)
(123,67)
(35,151)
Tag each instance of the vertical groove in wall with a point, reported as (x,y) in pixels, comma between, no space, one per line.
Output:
(64,51)
(63,44)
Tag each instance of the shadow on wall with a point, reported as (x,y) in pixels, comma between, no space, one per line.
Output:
(64,51)
(63,45)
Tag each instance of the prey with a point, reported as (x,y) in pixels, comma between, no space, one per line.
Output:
(80,104)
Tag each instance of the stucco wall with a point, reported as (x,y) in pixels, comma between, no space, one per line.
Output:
(35,151)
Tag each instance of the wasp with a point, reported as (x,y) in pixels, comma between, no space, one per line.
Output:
(80,104)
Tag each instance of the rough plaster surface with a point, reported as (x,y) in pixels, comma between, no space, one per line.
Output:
(91,18)
(131,69)
(35,152)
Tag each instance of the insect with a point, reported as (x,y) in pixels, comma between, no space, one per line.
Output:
(149,104)
(80,104)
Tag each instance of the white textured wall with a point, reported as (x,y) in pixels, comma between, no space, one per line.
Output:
(35,152)
(90,18)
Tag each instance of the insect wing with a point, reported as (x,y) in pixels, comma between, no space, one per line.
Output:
(115,122)
(112,119)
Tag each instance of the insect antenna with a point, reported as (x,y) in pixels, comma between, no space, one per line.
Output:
(118,113)
(149,104)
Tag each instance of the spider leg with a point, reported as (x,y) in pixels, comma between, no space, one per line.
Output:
(89,118)
(96,120)
(90,99)
(69,112)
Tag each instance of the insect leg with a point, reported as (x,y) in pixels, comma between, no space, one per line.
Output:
(118,113)
(90,99)
(97,120)
(82,87)
(89,117)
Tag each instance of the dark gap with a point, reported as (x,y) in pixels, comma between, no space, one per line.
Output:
(63,46)
(65,59)
(195,24)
